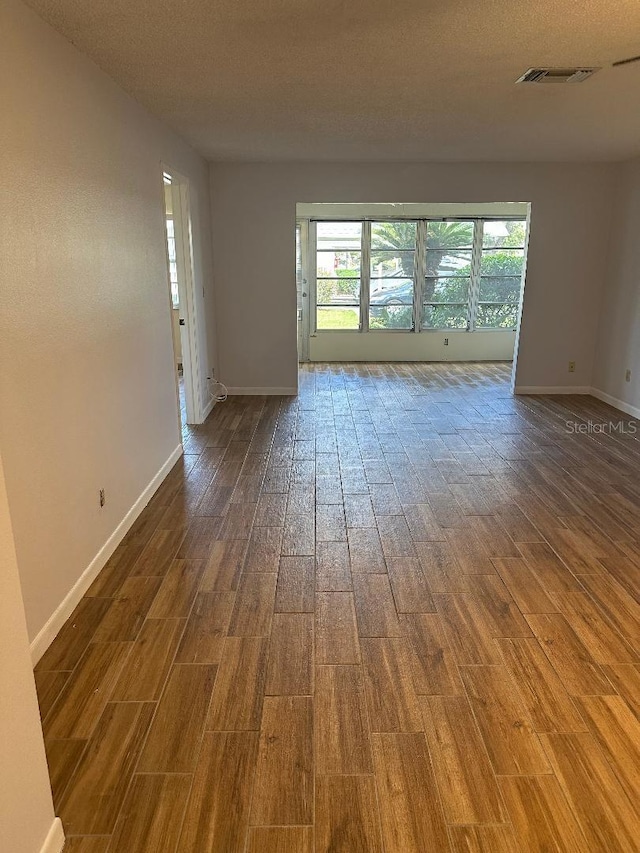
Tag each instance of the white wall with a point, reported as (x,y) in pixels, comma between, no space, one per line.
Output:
(254,209)
(26,808)
(409,346)
(87,390)
(619,332)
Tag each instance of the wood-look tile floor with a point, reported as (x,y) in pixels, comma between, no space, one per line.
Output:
(396,613)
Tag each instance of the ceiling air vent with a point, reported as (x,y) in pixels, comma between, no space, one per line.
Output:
(556,75)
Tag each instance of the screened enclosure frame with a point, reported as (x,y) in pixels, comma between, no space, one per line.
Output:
(473,302)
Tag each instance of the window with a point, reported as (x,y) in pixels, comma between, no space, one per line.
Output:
(338,274)
(173,266)
(447,283)
(419,275)
(501,268)
(391,278)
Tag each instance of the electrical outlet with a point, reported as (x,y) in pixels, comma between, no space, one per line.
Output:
(102,498)
(446,342)
(572,367)
(627,376)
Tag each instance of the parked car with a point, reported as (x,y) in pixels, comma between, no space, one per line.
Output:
(400,294)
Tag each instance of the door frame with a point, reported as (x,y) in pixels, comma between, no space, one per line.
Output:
(304,327)
(191,370)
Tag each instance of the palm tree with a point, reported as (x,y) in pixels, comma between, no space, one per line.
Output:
(394,236)
(443,239)
(446,240)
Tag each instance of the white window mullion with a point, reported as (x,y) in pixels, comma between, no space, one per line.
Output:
(420,271)
(365,276)
(476,266)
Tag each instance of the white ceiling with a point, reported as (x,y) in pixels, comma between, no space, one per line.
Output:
(371,79)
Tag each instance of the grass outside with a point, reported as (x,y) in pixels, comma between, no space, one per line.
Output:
(337,318)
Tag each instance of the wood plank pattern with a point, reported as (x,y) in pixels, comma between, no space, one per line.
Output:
(482,839)
(49,684)
(625,678)
(468,630)
(280,839)
(507,729)
(176,732)
(158,553)
(341,725)
(254,606)
(128,609)
(87,691)
(609,820)
(527,591)
(75,635)
(540,814)
(224,566)
(548,703)
(393,705)
(398,612)
(432,662)
(603,642)
(283,793)
(333,567)
(62,758)
(290,667)
(296,582)
(236,704)
(411,814)
(178,590)
(411,592)
(217,815)
(336,631)
(347,815)
(92,801)
(87,844)
(145,670)
(152,814)
(375,607)
(264,549)
(467,785)
(617,732)
(577,670)
(206,629)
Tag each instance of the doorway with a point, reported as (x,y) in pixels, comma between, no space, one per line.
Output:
(182,305)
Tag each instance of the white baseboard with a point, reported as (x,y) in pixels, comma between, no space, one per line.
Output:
(54,842)
(208,409)
(552,389)
(257,391)
(52,626)
(627,408)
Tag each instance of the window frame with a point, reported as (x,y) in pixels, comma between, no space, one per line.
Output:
(172,258)
(414,280)
(419,273)
(313,240)
(480,254)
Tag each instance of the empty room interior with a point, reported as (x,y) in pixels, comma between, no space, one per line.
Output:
(319,407)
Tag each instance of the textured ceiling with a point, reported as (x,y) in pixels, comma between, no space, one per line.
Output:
(371,79)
